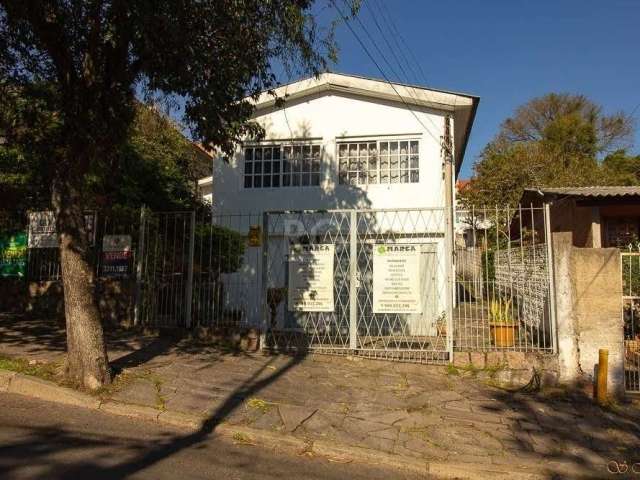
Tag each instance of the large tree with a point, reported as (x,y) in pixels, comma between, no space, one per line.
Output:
(92,55)
(159,166)
(553,140)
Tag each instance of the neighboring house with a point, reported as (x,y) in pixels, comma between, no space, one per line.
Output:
(602,285)
(470,224)
(204,161)
(595,216)
(205,189)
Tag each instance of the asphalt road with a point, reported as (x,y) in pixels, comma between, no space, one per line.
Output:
(41,440)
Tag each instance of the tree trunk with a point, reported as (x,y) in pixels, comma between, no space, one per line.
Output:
(87,364)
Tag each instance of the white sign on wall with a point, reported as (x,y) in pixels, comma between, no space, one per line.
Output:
(396,278)
(42,229)
(311,278)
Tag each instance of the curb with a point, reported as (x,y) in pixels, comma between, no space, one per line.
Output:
(17,383)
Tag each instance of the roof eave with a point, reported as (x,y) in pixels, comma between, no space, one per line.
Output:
(329,86)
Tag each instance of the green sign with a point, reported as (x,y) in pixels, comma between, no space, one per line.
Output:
(13,255)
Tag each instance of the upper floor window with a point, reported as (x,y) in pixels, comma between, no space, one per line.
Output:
(382,161)
(276,166)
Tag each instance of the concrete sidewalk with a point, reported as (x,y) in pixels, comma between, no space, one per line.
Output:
(415,412)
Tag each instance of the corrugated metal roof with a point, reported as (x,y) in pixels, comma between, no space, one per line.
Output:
(614,191)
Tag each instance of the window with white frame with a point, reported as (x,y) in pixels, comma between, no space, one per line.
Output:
(380,161)
(275,166)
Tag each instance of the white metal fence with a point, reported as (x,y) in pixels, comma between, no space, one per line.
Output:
(630,259)
(504,288)
(235,270)
(408,249)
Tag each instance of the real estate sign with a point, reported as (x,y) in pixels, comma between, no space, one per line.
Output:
(42,229)
(311,278)
(396,278)
(13,255)
(116,255)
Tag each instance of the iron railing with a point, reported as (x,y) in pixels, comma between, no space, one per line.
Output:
(630,259)
(503,280)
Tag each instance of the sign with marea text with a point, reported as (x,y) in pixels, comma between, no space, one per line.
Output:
(13,255)
(396,278)
(311,278)
(116,255)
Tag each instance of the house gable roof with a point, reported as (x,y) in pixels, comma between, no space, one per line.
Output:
(462,107)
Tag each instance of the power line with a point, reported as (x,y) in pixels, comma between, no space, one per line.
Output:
(386,41)
(401,37)
(394,36)
(384,75)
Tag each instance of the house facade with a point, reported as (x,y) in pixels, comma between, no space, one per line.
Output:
(346,142)
(387,153)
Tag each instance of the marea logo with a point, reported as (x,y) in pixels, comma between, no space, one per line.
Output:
(382,249)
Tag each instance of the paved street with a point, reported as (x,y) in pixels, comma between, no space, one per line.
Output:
(45,440)
(416,412)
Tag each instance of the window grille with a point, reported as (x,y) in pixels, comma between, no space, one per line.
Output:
(383,161)
(282,166)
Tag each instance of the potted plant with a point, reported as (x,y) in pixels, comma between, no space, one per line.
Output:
(501,323)
(441,324)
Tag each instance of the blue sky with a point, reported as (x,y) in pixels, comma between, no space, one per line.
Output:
(508,51)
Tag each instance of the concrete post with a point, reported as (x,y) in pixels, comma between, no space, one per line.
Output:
(566,328)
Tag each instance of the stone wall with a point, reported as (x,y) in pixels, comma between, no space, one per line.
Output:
(512,368)
(589,312)
(597,310)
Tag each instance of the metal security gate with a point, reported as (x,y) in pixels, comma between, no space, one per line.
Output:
(356,321)
(631,315)
(198,269)
(165,269)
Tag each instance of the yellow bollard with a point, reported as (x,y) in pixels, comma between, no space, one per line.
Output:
(603,373)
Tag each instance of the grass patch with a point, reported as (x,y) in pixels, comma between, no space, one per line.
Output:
(473,371)
(126,378)
(258,404)
(44,370)
(242,439)
(452,370)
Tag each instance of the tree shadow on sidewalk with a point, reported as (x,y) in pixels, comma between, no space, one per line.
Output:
(568,429)
(172,445)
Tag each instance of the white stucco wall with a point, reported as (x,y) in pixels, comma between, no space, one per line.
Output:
(326,119)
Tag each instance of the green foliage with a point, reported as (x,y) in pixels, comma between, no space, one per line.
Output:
(622,169)
(552,141)
(157,167)
(44,370)
(500,312)
(218,249)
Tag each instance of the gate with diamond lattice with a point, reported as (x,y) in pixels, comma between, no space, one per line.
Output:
(375,283)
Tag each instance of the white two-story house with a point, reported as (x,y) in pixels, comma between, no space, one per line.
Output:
(342,142)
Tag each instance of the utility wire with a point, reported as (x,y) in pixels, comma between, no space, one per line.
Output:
(384,75)
(387,20)
(401,37)
(386,41)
